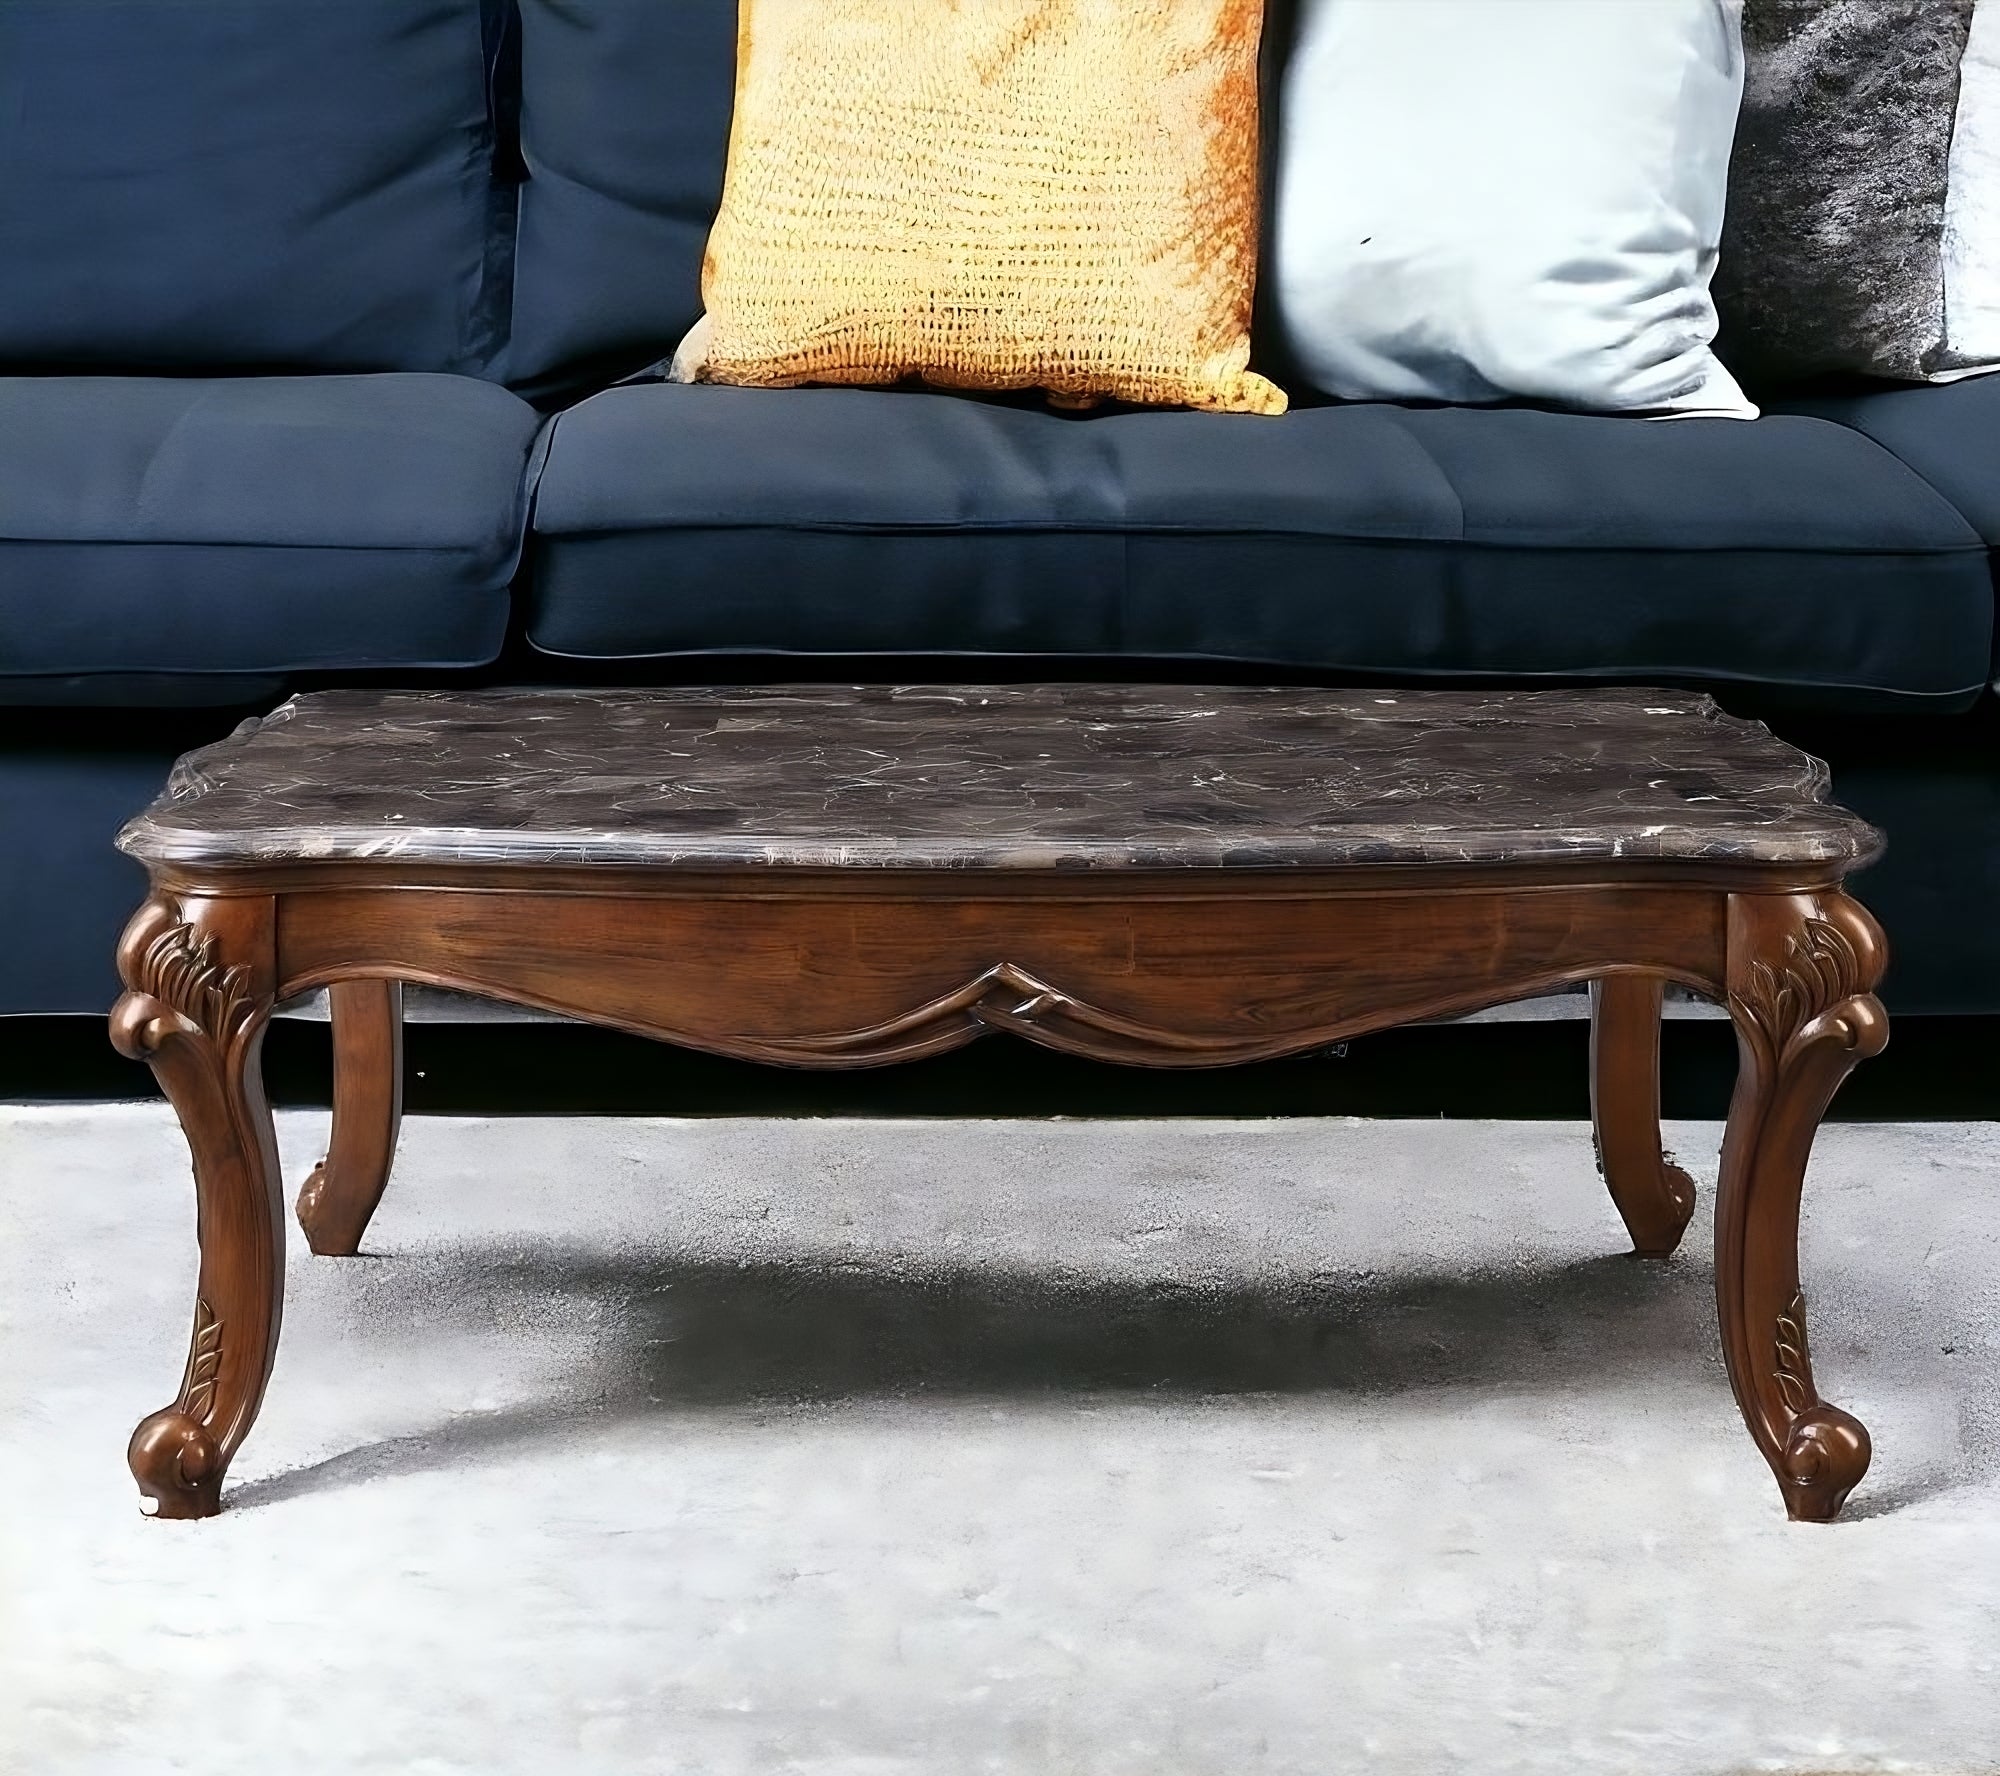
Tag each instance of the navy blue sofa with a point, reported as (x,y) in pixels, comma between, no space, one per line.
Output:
(316,320)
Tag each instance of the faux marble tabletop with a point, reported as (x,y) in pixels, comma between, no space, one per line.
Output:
(1002,777)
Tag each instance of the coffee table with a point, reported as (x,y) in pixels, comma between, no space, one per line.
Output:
(832,877)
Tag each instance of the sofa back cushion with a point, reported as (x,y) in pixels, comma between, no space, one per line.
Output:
(253,184)
(625,111)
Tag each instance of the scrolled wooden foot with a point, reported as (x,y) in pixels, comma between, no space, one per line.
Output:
(337,1201)
(1826,1453)
(1654,1197)
(312,1215)
(1802,973)
(198,974)
(177,1465)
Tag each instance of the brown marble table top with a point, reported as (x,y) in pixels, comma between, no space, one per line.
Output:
(1046,777)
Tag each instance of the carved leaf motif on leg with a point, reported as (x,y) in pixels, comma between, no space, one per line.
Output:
(1794,1359)
(1820,969)
(204,1362)
(178,966)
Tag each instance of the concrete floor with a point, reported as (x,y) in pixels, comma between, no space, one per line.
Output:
(861,1448)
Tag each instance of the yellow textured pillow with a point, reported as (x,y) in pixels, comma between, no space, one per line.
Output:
(991,194)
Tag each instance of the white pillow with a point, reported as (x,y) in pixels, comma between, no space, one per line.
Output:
(1972,207)
(1485,200)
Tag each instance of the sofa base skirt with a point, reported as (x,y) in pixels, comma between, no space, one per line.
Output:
(68,781)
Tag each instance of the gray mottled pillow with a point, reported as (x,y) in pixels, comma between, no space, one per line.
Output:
(1832,253)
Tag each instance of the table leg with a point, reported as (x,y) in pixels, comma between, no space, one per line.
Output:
(1802,973)
(199,985)
(1654,1196)
(337,1200)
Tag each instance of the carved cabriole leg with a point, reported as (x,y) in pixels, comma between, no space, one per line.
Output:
(1802,969)
(338,1199)
(1654,1196)
(199,980)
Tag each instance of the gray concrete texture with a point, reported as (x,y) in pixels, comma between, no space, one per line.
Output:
(857,1448)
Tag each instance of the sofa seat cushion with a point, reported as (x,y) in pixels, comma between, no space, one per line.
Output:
(151,526)
(1367,540)
(1949,433)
